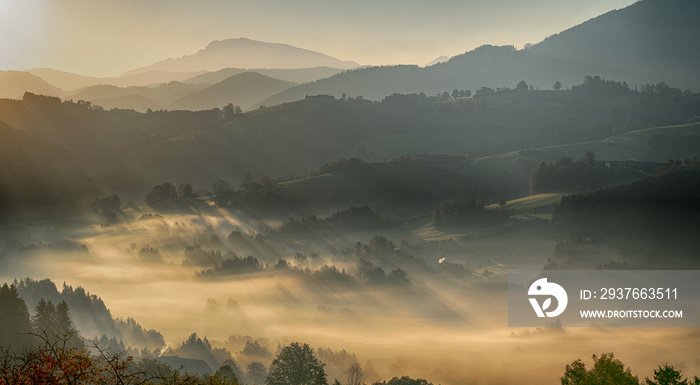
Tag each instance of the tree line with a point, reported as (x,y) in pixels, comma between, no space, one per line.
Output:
(651,223)
(351,219)
(665,207)
(455,212)
(46,348)
(609,370)
(565,174)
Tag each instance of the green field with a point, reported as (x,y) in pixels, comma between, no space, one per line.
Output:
(420,186)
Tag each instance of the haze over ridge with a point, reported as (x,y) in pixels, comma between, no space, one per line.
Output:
(246,53)
(373,212)
(647,42)
(116,37)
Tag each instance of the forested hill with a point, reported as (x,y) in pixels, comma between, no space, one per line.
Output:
(90,313)
(664,207)
(53,150)
(647,42)
(649,224)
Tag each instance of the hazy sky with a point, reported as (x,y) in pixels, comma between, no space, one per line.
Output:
(108,37)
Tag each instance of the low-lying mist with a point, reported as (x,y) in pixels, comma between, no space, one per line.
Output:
(444,320)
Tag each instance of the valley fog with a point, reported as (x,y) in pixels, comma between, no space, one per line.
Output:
(201,194)
(449,328)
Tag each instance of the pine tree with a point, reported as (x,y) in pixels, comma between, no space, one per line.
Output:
(42,321)
(14,320)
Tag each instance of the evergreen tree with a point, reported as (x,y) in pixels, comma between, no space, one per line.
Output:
(65,326)
(53,325)
(14,320)
(42,321)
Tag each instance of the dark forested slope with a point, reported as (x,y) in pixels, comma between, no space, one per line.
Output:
(79,150)
(648,42)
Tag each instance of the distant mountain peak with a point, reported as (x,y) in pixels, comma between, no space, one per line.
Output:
(438,60)
(247,53)
(13,84)
(238,41)
(647,42)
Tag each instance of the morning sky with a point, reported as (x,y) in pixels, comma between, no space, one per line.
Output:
(108,37)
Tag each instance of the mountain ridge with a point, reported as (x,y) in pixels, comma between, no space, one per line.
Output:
(57,150)
(608,46)
(297,75)
(243,89)
(13,84)
(647,42)
(246,53)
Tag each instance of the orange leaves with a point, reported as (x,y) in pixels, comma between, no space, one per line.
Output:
(56,366)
